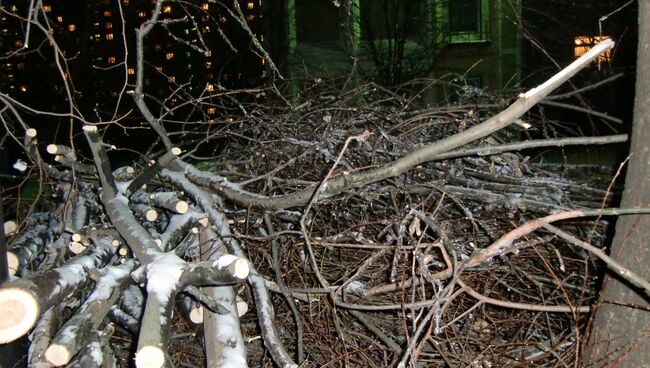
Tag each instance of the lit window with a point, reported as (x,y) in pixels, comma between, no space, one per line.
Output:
(47,8)
(226,76)
(210,87)
(582,44)
(173,101)
(109,37)
(169,55)
(108,25)
(72,27)
(18,43)
(125,2)
(250,5)
(59,19)
(23,88)
(20,66)
(250,17)
(107,13)
(205,6)
(159,69)
(208,53)
(206,29)
(142,14)
(111,59)
(171,79)
(167,9)
(222,19)
(208,64)
(212,110)
(130,71)
(156,47)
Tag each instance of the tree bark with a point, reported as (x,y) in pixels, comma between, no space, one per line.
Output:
(620,335)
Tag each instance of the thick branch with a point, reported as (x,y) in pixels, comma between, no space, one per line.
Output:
(78,331)
(22,301)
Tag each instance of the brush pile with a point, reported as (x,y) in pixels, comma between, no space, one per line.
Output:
(438,263)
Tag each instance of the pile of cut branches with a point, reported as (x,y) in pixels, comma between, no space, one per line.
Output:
(363,230)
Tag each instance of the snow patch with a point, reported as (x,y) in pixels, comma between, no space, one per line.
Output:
(224,261)
(163,275)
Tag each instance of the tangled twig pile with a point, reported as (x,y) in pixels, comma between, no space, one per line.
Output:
(362,244)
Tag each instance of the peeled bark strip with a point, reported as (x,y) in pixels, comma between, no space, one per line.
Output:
(23,301)
(224,342)
(77,332)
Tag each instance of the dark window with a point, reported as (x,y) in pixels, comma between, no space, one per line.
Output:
(317,21)
(382,19)
(464,16)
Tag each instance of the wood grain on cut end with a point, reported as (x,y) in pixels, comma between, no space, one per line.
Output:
(76,247)
(242,307)
(196,315)
(151,215)
(149,357)
(10,227)
(181,207)
(58,355)
(19,310)
(51,149)
(241,269)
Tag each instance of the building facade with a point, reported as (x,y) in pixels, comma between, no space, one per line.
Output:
(457,42)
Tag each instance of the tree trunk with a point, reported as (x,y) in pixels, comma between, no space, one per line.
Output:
(620,335)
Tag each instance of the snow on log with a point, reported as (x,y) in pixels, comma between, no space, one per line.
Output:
(26,248)
(263,303)
(224,342)
(226,269)
(163,281)
(170,201)
(178,228)
(22,301)
(97,353)
(41,336)
(77,331)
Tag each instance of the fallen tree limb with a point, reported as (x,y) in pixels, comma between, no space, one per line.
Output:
(359,179)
